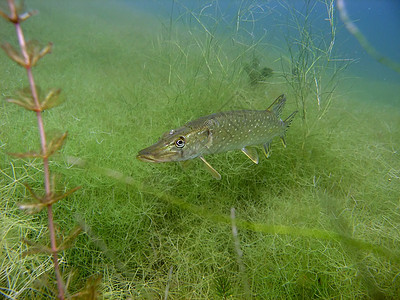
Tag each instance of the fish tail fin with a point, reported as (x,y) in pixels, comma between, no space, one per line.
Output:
(289,119)
(287,123)
(277,106)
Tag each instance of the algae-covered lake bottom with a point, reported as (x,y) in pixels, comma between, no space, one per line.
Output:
(317,219)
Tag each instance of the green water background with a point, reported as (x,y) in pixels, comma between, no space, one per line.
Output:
(128,76)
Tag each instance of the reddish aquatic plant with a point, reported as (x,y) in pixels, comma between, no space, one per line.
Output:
(31,98)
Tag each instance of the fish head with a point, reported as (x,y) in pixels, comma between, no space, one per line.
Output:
(177,145)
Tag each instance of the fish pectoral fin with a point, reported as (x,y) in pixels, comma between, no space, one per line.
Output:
(251,153)
(186,164)
(267,149)
(213,172)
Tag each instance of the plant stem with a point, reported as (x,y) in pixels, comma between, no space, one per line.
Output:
(60,284)
(353,29)
(42,135)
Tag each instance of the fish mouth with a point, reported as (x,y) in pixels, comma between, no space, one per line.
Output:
(155,155)
(146,157)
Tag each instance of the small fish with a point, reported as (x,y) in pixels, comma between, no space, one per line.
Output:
(221,132)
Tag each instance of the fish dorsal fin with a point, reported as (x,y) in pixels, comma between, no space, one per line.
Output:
(251,153)
(213,172)
(277,106)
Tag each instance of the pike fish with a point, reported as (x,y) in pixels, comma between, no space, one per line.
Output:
(221,132)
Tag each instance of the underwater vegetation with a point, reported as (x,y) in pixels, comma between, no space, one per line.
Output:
(32,99)
(318,219)
(255,72)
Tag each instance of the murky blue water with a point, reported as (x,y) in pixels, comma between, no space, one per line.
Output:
(378,20)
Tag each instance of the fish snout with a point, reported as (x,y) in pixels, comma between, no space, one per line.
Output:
(145,155)
(158,153)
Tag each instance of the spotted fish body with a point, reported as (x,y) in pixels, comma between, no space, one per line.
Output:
(238,129)
(221,132)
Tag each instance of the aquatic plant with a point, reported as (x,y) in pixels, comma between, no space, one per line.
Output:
(255,72)
(32,99)
(312,70)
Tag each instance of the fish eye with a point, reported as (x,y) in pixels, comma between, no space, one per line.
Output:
(180,143)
